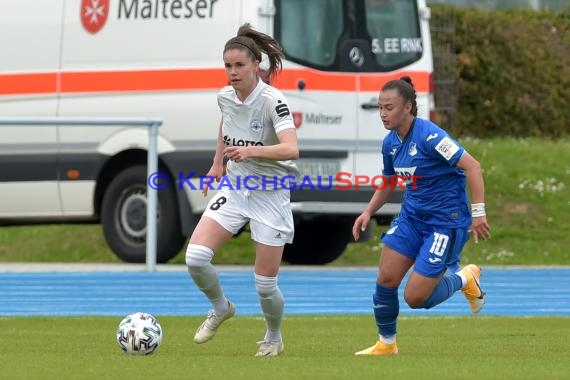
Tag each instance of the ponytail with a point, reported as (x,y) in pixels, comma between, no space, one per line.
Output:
(255,43)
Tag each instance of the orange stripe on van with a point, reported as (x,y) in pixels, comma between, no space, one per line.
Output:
(144,80)
(315,80)
(326,81)
(26,84)
(191,79)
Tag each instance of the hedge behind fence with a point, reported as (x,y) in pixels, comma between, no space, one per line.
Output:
(512,72)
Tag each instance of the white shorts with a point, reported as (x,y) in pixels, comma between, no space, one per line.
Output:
(267,211)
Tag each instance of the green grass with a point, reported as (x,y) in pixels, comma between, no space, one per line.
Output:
(528,200)
(528,203)
(316,348)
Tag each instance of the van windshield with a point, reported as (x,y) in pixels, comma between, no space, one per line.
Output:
(350,35)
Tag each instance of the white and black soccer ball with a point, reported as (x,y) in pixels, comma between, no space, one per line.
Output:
(139,334)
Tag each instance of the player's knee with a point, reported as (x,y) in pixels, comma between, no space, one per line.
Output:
(386,279)
(265,286)
(415,301)
(198,256)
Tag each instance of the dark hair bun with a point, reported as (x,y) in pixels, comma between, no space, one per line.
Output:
(408,80)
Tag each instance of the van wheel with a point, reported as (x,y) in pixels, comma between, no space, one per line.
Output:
(123,216)
(318,241)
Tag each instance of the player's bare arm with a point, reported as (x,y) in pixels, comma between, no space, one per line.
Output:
(217,169)
(378,200)
(474,175)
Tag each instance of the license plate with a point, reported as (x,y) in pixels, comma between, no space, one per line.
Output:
(318,168)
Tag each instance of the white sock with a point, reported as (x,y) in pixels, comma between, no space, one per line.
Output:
(463,279)
(272,305)
(388,339)
(205,276)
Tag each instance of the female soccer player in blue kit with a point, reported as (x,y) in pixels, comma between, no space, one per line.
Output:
(435,219)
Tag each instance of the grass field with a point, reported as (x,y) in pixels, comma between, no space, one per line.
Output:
(316,348)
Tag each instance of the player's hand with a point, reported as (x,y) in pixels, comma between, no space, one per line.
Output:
(217,172)
(480,229)
(360,224)
(237,153)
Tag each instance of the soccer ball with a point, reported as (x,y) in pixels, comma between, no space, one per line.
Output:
(139,334)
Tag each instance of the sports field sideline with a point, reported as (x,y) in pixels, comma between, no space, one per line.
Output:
(85,289)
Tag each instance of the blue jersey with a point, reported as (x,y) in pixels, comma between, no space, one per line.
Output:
(435,188)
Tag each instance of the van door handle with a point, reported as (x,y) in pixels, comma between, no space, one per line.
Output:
(369,106)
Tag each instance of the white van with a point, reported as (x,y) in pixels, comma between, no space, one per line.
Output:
(163,59)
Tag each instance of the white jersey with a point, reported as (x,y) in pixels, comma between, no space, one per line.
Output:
(255,122)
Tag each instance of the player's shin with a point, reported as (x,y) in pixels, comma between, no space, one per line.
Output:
(205,276)
(444,289)
(386,309)
(272,304)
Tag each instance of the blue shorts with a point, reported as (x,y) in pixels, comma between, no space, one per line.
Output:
(433,248)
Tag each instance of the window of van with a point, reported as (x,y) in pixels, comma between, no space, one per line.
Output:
(321,20)
(324,34)
(395,30)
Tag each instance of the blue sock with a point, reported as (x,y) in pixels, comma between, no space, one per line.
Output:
(386,309)
(448,285)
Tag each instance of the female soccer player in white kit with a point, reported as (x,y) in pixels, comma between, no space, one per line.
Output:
(258,138)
